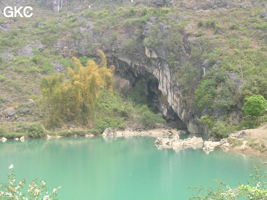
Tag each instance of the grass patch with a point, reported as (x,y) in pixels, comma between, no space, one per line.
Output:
(31,130)
(116,112)
(257,145)
(71,132)
(2,78)
(235,142)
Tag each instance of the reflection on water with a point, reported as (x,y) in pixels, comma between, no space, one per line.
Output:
(121,169)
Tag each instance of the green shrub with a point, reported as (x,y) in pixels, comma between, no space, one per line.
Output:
(15,189)
(199,34)
(234,142)
(255,108)
(147,118)
(2,131)
(35,130)
(112,104)
(9,133)
(263,118)
(255,105)
(108,122)
(117,113)
(138,93)
(258,146)
(252,191)
(234,27)
(207,121)
(131,12)
(249,122)
(2,78)
(200,23)
(84,60)
(205,93)
(221,130)
(216,92)
(209,23)
(71,132)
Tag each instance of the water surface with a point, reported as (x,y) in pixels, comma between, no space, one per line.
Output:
(121,169)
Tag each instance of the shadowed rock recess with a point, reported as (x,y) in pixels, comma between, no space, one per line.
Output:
(136,60)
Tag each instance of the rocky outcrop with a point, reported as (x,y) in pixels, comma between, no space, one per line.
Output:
(9,114)
(111,133)
(239,134)
(264,15)
(135,59)
(209,146)
(178,144)
(248,142)
(89,135)
(48,137)
(171,96)
(3,139)
(151,49)
(22,139)
(141,49)
(121,84)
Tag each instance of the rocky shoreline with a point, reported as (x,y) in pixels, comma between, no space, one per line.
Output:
(239,142)
(169,139)
(194,142)
(243,142)
(160,132)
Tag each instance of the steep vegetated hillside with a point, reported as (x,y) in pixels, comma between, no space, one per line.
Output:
(195,62)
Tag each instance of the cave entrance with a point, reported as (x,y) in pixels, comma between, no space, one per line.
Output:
(142,87)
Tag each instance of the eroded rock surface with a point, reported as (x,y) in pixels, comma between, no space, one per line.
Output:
(3,139)
(109,132)
(209,146)
(178,144)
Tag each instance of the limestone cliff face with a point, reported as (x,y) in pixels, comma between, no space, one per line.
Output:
(162,53)
(147,49)
(134,57)
(171,95)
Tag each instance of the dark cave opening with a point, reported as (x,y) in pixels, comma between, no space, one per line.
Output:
(142,87)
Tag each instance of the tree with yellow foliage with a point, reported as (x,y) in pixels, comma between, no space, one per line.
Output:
(73,97)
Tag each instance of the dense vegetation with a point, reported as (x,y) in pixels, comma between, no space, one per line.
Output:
(74,97)
(217,57)
(86,97)
(83,97)
(255,190)
(246,192)
(19,190)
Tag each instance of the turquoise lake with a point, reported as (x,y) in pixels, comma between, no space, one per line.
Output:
(121,169)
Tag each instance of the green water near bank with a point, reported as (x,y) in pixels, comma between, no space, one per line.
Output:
(121,169)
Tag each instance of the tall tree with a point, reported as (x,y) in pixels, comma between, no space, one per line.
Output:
(73,97)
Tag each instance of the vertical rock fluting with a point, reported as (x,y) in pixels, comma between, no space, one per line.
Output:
(134,57)
(170,95)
